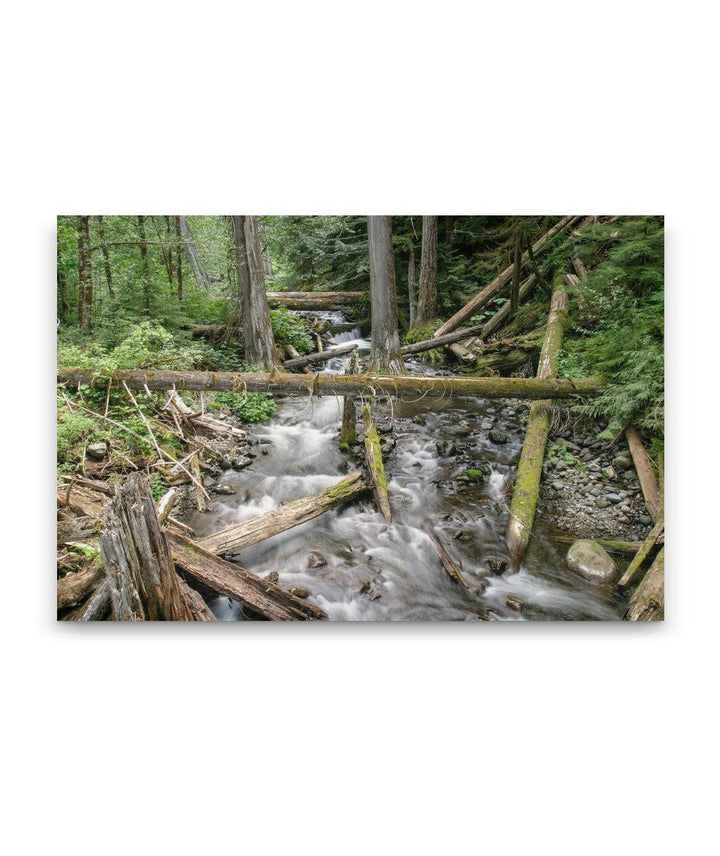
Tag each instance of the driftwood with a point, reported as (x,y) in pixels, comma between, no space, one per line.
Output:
(348,427)
(328,301)
(529,472)
(635,567)
(646,474)
(72,589)
(319,356)
(78,529)
(203,421)
(374,461)
(284,517)
(340,384)
(491,289)
(262,598)
(648,602)
(81,499)
(452,568)
(139,568)
(165,505)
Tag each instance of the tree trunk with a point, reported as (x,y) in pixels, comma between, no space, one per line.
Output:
(427,299)
(648,602)
(170,263)
(139,568)
(517,265)
(261,597)
(62,285)
(201,277)
(242,283)
(85,283)
(145,262)
(492,288)
(385,356)
(529,472)
(334,384)
(178,236)
(374,461)
(319,356)
(348,428)
(106,255)
(635,567)
(257,333)
(411,286)
(646,474)
(323,301)
(73,588)
(284,517)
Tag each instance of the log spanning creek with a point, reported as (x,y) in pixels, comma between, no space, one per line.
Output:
(357,567)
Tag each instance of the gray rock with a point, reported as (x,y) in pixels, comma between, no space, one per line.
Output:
(98,450)
(462,429)
(446,448)
(558,485)
(591,561)
(622,462)
(601,502)
(645,519)
(486,425)
(316,560)
(225,489)
(499,437)
(614,497)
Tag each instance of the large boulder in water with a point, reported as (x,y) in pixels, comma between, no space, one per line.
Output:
(591,561)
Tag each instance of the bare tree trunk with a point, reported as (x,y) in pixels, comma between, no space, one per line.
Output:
(427,299)
(257,333)
(85,284)
(646,474)
(517,265)
(62,286)
(411,285)
(178,235)
(385,356)
(242,283)
(106,255)
(201,277)
(170,265)
(144,257)
(648,601)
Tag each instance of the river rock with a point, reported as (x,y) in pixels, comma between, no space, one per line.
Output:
(272,577)
(316,560)
(446,448)
(601,502)
(499,437)
(462,429)
(622,462)
(486,425)
(300,592)
(97,450)
(591,561)
(225,489)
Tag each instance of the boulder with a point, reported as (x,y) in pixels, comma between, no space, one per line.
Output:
(499,437)
(97,450)
(316,560)
(622,462)
(591,561)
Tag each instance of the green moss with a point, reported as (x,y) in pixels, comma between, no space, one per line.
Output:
(475,475)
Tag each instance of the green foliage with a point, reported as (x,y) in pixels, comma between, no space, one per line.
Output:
(158,486)
(290,329)
(75,429)
(252,407)
(421,334)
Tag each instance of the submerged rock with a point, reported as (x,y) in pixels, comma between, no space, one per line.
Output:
(499,437)
(316,560)
(446,448)
(300,592)
(591,561)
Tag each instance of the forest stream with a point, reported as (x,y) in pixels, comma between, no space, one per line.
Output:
(366,569)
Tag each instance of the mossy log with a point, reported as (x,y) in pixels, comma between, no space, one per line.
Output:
(319,356)
(452,568)
(635,567)
(648,601)
(419,386)
(284,517)
(348,427)
(622,548)
(261,597)
(491,289)
(529,472)
(72,589)
(138,565)
(646,474)
(327,301)
(374,461)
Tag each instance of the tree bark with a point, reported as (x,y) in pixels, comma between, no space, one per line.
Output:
(201,277)
(492,288)
(262,598)
(196,603)
(646,474)
(348,428)
(106,255)
(517,265)
(334,384)
(85,283)
(319,356)
(374,461)
(145,262)
(73,588)
(284,517)
(635,567)
(529,472)
(257,333)
(139,568)
(178,236)
(385,353)
(427,298)
(648,602)
(411,286)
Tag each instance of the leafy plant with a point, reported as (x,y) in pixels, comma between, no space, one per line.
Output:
(253,407)
(289,329)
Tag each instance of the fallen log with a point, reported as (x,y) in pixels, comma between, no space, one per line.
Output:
(137,560)
(203,421)
(492,288)
(622,548)
(452,568)
(646,474)
(319,356)
(98,606)
(462,354)
(328,301)
(196,603)
(635,567)
(648,601)
(284,517)
(72,589)
(424,386)
(261,597)
(78,529)
(529,472)
(81,500)
(374,461)
(348,427)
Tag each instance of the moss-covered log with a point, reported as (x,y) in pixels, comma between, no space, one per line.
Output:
(284,517)
(327,301)
(262,598)
(348,427)
(622,548)
(491,289)
(417,386)
(634,569)
(529,473)
(648,602)
(374,461)
(646,474)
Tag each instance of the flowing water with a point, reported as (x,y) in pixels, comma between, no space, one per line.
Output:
(376,571)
